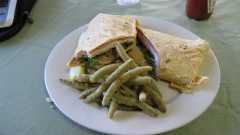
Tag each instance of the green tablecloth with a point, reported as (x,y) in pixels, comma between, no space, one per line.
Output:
(23,109)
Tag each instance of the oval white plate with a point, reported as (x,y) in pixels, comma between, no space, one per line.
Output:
(181,109)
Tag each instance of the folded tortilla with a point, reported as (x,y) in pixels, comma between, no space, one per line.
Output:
(181,59)
(102,33)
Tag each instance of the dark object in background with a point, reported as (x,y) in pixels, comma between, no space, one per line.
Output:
(22,15)
(200,9)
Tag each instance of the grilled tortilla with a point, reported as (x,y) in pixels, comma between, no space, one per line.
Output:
(102,33)
(181,59)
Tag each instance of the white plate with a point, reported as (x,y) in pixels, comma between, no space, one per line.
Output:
(181,109)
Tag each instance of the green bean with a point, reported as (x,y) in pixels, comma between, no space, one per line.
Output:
(122,79)
(123,100)
(127,108)
(157,98)
(121,52)
(132,102)
(119,71)
(110,92)
(143,80)
(146,80)
(87,92)
(74,84)
(95,94)
(137,55)
(127,91)
(112,109)
(98,101)
(150,101)
(103,71)
(129,48)
(82,78)
(148,109)
(134,73)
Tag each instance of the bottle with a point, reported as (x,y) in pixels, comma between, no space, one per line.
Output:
(200,9)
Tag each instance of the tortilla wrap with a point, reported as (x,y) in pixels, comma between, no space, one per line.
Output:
(181,59)
(102,33)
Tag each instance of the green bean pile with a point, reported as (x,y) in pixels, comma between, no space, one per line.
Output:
(121,86)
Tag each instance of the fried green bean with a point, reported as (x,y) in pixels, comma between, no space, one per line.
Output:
(112,109)
(128,108)
(148,109)
(141,80)
(137,55)
(129,48)
(156,98)
(122,79)
(95,77)
(82,78)
(75,84)
(119,71)
(110,92)
(87,92)
(127,91)
(123,100)
(98,101)
(95,94)
(121,52)
(132,102)
(146,80)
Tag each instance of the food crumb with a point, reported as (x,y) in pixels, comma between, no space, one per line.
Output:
(48,99)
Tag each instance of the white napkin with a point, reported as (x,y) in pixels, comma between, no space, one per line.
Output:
(127,2)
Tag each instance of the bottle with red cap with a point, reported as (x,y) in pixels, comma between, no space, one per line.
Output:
(200,9)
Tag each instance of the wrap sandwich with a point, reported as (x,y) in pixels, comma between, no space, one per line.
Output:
(177,60)
(180,59)
(96,45)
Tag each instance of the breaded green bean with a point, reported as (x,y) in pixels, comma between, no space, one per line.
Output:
(148,109)
(110,92)
(157,98)
(121,52)
(141,80)
(74,84)
(106,70)
(119,71)
(122,79)
(130,47)
(95,94)
(82,78)
(112,109)
(123,100)
(132,102)
(98,101)
(127,91)
(128,108)
(137,55)
(146,80)
(87,92)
